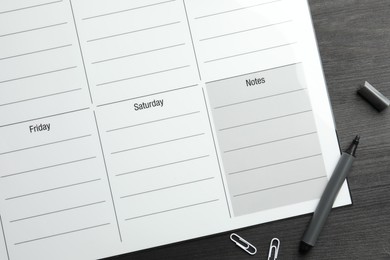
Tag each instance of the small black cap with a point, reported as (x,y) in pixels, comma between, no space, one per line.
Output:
(374,97)
(304,247)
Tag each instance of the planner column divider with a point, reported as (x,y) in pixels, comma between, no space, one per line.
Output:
(5,240)
(96,122)
(108,178)
(192,40)
(81,51)
(216,153)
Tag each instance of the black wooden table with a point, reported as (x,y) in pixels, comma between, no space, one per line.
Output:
(354,43)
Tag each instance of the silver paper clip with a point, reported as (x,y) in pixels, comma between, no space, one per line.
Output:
(243,244)
(273,249)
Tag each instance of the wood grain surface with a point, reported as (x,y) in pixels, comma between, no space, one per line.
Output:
(354,43)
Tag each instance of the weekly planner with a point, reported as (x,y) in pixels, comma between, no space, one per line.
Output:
(126,125)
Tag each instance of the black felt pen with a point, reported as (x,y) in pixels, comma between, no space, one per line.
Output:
(328,197)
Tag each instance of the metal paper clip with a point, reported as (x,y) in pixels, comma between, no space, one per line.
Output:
(243,244)
(273,249)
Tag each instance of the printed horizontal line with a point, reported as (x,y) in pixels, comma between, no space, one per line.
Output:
(29,7)
(270,142)
(268,119)
(255,99)
(279,186)
(127,10)
(43,117)
(243,31)
(273,164)
(45,96)
(34,52)
(143,75)
(151,122)
(163,142)
(148,95)
(163,165)
(34,29)
(37,75)
(168,187)
(48,167)
(246,74)
(135,31)
(58,211)
(52,189)
(36,146)
(250,52)
(237,9)
(174,209)
(60,234)
(138,53)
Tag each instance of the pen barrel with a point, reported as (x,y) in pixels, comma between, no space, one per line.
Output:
(327,199)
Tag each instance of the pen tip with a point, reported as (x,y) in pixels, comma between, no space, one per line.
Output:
(353,146)
(357,139)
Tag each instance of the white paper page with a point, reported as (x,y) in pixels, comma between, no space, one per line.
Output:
(143,182)
(40,61)
(159,148)
(121,123)
(135,49)
(55,193)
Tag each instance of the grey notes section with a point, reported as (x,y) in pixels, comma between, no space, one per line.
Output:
(267,138)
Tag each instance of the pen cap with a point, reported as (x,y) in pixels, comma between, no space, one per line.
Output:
(374,97)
